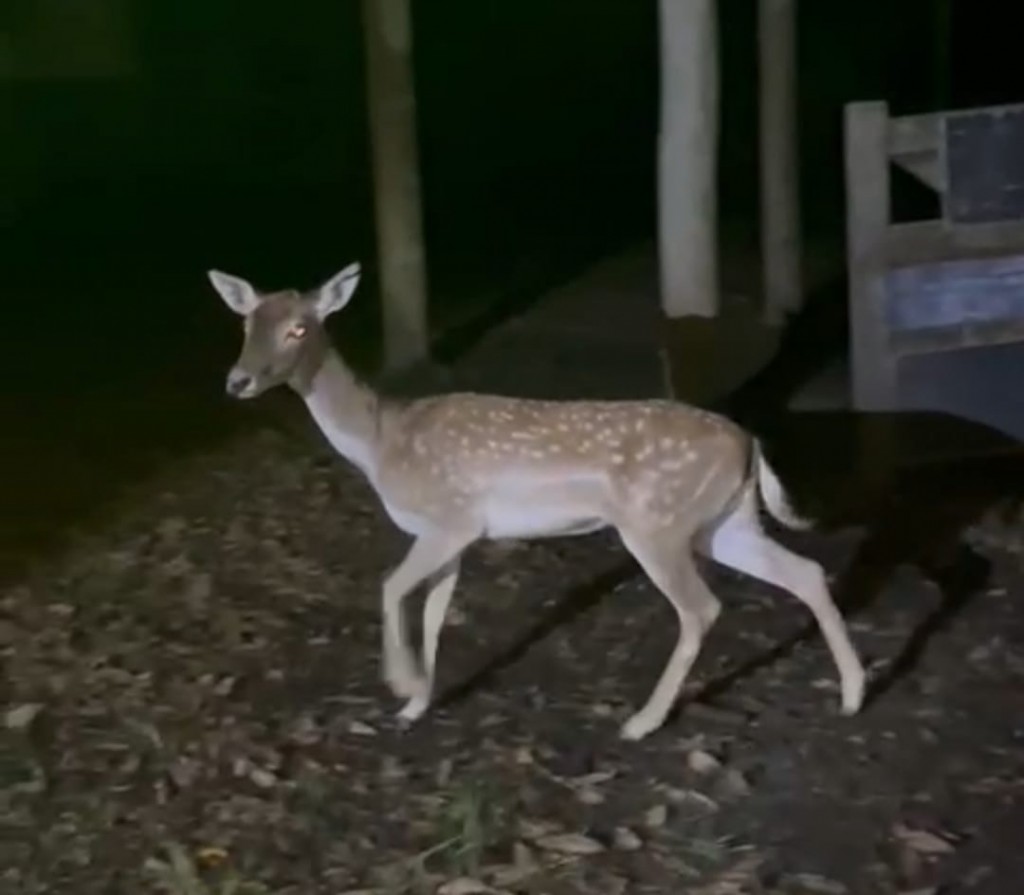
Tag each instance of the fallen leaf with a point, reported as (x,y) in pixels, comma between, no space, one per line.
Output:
(464,885)
(522,856)
(656,816)
(510,875)
(734,880)
(692,797)
(360,728)
(211,856)
(819,885)
(20,717)
(595,779)
(624,839)
(589,796)
(444,772)
(391,769)
(922,841)
(523,866)
(570,844)
(536,829)
(701,762)
(262,778)
(734,783)
(184,772)
(305,731)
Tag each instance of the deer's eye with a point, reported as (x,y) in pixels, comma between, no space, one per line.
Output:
(297,331)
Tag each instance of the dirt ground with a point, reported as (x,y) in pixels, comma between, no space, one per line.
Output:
(192,700)
(193,705)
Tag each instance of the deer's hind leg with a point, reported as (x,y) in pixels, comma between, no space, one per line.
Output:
(740,542)
(670,565)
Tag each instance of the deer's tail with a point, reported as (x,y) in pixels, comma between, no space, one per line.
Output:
(773,494)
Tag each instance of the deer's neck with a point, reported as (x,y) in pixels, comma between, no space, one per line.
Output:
(346,410)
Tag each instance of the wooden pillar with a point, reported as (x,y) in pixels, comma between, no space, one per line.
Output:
(780,181)
(867,224)
(688,158)
(392,104)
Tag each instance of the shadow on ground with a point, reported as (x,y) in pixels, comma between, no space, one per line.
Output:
(911,483)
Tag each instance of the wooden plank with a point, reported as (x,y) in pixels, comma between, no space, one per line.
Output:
(955,293)
(957,338)
(913,134)
(984,153)
(974,385)
(780,190)
(688,158)
(914,146)
(399,218)
(867,203)
(921,242)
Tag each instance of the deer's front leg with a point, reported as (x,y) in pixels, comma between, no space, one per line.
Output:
(435,608)
(428,554)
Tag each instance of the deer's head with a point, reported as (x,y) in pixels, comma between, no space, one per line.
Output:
(282,329)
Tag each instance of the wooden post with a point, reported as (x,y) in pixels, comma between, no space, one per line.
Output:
(688,158)
(392,104)
(780,182)
(867,224)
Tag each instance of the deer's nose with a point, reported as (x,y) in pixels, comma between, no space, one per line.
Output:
(239,382)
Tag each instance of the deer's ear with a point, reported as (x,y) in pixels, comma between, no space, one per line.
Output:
(338,291)
(238,294)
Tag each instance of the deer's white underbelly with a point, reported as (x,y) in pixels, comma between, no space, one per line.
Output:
(410,522)
(509,519)
(533,516)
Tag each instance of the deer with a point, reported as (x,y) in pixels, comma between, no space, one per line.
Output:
(673,480)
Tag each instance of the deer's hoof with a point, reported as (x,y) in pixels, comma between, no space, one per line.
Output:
(637,727)
(853,695)
(414,709)
(401,676)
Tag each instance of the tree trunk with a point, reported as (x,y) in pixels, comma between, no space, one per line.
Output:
(392,104)
(780,182)
(687,158)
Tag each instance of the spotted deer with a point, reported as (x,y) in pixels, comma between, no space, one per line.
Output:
(451,469)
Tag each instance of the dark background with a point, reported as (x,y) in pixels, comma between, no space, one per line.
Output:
(236,136)
(232,133)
